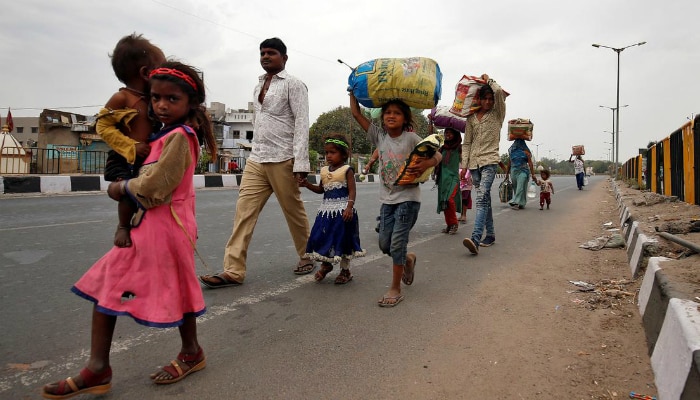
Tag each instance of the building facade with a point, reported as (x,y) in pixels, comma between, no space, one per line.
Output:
(25,130)
(234,132)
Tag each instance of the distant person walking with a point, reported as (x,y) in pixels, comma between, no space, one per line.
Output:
(279,158)
(480,153)
(448,180)
(520,169)
(579,170)
(546,189)
(233,167)
(465,186)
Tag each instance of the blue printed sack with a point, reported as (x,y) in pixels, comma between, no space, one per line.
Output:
(415,80)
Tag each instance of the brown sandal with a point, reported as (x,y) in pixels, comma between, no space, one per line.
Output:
(92,383)
(343,277)
(323,271)
(194,362)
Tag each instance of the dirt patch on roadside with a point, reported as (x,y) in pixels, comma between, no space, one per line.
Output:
(656,213)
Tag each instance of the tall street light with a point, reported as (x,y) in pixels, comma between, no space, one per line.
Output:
(617,50)
(612,145)
(613,109)
(537,151)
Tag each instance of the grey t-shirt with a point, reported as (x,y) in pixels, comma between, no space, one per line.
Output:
(392,156)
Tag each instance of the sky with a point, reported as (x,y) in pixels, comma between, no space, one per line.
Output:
(56,55)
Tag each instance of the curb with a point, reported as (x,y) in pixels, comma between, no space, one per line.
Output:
(671,324)
(49,184)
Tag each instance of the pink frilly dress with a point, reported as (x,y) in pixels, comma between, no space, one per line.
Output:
(154,280)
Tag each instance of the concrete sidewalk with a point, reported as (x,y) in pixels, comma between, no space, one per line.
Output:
(671,324)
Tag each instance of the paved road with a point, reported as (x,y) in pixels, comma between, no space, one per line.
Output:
(277,336)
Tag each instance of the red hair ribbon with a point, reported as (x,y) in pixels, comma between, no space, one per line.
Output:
(176,73)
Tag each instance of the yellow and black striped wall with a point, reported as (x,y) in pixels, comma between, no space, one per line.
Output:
(671,166)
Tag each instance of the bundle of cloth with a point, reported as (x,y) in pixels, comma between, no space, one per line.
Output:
(443,118)
(424,150)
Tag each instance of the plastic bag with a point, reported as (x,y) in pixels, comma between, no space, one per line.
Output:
(465,102)
(532,190)
(505,190)
(585,180)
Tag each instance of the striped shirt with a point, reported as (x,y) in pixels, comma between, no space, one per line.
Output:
(281,122)
(480,145)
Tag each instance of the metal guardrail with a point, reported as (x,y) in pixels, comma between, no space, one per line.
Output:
(43,161)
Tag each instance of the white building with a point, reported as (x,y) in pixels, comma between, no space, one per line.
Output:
(236,133)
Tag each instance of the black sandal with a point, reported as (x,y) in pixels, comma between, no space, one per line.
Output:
(306,268)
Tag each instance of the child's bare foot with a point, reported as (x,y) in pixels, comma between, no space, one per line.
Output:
(122,237)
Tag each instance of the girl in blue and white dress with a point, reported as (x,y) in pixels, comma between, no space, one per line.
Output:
(335,236)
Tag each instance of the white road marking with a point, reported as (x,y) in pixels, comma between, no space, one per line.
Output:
(50,225)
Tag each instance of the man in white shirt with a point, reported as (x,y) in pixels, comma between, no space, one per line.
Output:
(280,156)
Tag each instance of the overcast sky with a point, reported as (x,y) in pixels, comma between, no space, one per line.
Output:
(55,55)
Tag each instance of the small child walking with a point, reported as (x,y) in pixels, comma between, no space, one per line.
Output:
(546,188)
(335,236)
(465,186)
(158,286)
(124,124)
(400,203)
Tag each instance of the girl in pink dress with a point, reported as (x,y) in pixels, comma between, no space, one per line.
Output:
(154,280)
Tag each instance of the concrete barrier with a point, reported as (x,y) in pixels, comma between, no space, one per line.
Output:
(671,324)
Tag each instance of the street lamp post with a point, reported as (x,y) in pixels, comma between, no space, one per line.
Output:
(613,109)
(617,50)
(612,145)
(537,152)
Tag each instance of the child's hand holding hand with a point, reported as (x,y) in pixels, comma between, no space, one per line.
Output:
(347,213)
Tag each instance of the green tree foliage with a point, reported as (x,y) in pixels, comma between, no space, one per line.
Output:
(314,160)
(599,167)
(203,163)
(340,120)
